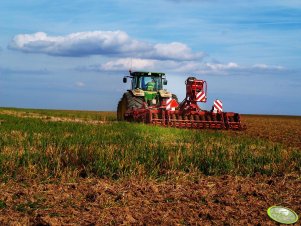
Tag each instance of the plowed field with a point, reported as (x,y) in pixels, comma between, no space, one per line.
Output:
(221,200)
(177,198)
(282,129)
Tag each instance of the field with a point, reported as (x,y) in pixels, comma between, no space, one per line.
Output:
(85,168)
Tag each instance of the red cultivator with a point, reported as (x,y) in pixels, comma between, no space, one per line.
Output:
(159,107)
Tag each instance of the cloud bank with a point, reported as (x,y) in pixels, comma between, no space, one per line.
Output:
(232,68)
(183,67)
(124,53)
(106,43)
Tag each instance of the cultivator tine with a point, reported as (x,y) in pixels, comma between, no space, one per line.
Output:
(197,120)
(194,121)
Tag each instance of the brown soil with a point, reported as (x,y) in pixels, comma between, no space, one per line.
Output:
(182,200)
(280,129)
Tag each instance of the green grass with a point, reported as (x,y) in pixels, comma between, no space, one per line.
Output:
(2,204)
(32,147)
(71,114)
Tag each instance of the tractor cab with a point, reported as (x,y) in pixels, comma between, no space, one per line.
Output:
(147,81)
(147,88)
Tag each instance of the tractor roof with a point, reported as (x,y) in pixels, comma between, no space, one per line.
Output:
(146,73)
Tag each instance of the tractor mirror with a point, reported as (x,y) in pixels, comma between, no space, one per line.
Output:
(125,80)
(165,82)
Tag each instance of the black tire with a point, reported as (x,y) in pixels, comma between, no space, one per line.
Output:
(134,102)
(121,109)
(128,101)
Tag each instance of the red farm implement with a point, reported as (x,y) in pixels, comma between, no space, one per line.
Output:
(149,103)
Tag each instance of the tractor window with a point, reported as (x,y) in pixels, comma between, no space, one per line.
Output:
(151,83)
(136,83)
(147,83)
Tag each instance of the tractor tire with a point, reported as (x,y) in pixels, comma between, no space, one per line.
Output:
(133,101)
(121,109)
(128,101)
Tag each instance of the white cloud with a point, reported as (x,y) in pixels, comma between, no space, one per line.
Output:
(236,69)
(176,50)
(124,64)
(268,67)
(77,44)
(183,67)
(128,63)
(107,43)
(219,66)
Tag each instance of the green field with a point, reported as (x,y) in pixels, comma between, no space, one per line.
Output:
(71,144)
(85,168)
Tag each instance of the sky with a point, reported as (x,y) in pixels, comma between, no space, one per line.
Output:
(63,54)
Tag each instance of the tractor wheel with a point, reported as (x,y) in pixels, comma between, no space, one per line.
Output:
(134,102)
(128,101)
(121,109)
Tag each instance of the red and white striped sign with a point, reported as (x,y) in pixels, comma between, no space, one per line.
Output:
(201,96)
(171,104)
(218,106)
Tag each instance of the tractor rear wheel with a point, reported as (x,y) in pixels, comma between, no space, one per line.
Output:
(133,101)
(121,109)
(128,101)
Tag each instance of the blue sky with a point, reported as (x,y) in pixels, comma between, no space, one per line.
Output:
(73,54)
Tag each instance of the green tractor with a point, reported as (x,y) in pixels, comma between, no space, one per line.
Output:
(149,103)
(146,92)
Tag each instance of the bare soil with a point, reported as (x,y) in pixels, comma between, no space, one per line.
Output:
(279,129)
(181,200)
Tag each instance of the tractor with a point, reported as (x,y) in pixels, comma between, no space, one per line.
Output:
(148,102)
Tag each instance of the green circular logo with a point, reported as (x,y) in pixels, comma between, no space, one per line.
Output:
(282,215)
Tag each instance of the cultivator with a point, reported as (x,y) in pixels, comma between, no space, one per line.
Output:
(159,107)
